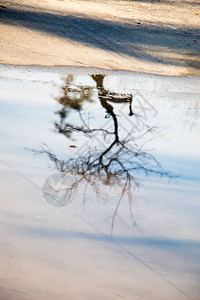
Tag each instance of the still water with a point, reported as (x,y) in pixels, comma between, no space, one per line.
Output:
(100,193)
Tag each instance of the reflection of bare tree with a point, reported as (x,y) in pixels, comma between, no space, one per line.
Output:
(73,98)
(117,164)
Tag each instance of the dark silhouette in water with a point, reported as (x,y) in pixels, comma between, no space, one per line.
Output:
(106,96)
(119,162)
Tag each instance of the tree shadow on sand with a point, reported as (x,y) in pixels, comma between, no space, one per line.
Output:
(148,42)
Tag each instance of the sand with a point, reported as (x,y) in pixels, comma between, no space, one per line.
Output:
(160,37)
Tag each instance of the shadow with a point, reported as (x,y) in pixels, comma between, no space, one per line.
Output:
(168,2)
(116,153)
(146,42)
(152,242)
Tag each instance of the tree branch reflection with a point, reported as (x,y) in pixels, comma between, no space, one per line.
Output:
(116,165)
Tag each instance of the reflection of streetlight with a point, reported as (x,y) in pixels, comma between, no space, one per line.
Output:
(59,189)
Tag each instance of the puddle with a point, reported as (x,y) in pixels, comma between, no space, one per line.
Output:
(106,164)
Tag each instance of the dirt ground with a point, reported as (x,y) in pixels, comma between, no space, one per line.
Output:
(158,36)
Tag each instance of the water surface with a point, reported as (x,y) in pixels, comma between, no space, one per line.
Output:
(99,185)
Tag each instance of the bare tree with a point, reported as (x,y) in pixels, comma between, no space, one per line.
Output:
(119,162)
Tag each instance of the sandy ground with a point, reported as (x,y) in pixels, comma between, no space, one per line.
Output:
(160,37)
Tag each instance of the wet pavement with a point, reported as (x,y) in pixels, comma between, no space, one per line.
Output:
(99,185)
